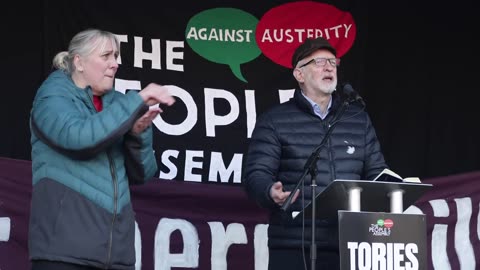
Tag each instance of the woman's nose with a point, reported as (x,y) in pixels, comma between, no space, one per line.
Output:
(114,64)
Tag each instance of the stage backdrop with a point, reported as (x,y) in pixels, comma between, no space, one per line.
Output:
(228,62)
(195,226)
(225,65)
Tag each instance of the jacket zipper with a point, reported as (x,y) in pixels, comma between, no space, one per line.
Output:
(330,158)
(115,194)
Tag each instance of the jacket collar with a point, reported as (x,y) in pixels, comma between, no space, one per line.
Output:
(304,105)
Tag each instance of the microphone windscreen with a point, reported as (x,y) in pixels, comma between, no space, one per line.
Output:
(348,90)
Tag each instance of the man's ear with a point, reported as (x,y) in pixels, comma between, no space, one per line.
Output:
(298,74)
(77,62)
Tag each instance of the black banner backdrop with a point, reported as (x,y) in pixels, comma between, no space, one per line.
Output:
(225,64)
(412,63)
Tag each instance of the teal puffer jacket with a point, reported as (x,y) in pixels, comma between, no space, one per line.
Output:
(82,162)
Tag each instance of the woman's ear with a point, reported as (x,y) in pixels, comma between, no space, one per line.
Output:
(77,62)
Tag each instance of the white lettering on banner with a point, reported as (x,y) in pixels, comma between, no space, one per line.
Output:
(121,39)
(189,258)
(123,85)
(172,55)
(173,51)
(260,241)
(213,34)
(190,120)
(190,164)
(163,258)
(141,55)
(251,111)
(285,95)
(462,233)
(4,229)
(440,259)
(217,166)
(299,35)
(384,256)
(138,248)
(169,164)
(462,242)
(211,119)
(222,240)
(439,236)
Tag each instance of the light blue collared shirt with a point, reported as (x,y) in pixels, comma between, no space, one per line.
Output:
(316,107)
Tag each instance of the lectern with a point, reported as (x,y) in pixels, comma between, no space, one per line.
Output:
(374,233)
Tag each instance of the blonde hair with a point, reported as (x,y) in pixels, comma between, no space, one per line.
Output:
(83,44)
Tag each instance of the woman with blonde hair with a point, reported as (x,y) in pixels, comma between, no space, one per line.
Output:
(89,142)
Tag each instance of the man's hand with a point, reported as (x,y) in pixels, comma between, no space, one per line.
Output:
(279,196)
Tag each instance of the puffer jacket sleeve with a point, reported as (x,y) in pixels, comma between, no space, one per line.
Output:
(140,162)
(57,120)
(374,160)
(262,162)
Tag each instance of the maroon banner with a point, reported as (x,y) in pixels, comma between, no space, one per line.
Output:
(180,224)
(452,209)
(185,225)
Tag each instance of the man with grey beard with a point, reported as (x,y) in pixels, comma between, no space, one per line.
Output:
(283,140)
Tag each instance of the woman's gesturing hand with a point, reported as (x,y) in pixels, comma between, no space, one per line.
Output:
(156,94)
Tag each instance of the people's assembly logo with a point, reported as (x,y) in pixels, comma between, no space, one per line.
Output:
(232,37)
(381,228)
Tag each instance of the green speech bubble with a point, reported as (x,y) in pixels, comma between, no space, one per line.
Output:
(380,222)
(224,36)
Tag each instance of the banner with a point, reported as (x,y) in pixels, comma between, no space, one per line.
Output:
(196,226)
(179,224)
(453,227)
(224,64)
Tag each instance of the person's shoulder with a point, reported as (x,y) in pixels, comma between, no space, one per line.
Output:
(279,112)
(284,106)
(356,113)
(57,76)
(279,108)
(357,107)
(56,82)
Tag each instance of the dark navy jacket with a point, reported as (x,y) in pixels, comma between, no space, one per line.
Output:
(283,139)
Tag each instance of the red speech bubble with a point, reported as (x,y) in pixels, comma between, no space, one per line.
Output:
(388,223)
(282,29)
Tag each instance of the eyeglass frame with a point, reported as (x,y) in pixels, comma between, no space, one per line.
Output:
(329,60)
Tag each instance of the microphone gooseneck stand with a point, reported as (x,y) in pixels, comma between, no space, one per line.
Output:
(311,168)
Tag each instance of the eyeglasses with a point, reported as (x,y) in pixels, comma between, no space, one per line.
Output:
(321,62)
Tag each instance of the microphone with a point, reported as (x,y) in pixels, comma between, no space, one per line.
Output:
(352,95)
